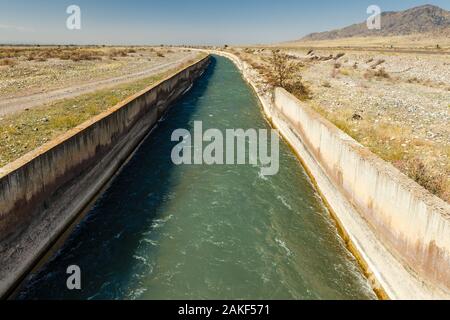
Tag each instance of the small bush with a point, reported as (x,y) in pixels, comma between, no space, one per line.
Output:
(413,80)
(419,172)
(8,62)
(284,73)
(118,53)
(380,74)
(298,89)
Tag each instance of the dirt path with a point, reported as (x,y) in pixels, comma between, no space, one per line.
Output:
(13,105)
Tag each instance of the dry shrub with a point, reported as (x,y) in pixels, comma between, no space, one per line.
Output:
(8,62)
(345,72)
(284,74)
(74,54)
(380,74)
(160,54)
(298,89)
(10,53)
(419,172)
(83,55)
(114,53)
(413,80)
(283,69)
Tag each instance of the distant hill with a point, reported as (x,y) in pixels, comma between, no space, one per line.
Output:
(419,20)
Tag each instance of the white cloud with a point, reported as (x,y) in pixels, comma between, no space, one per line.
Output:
(17,28)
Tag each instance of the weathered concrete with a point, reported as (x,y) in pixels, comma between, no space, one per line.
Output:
(41,193)
(398,230)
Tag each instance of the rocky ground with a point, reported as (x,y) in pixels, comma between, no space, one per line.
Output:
(397,104)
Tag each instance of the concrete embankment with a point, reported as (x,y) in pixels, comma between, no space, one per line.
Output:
(44,191)
(399,231)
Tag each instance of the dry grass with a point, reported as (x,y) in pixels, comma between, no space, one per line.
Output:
(378,74)
(394,144)
(64,53)
(280,70)
(74,54)
(417,170)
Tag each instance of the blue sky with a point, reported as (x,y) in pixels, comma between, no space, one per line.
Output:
(183,21)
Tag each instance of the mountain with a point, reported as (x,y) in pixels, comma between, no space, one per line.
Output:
(419,20)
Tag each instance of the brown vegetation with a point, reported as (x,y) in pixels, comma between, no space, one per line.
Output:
(380,74)
(285,74)
(75,54)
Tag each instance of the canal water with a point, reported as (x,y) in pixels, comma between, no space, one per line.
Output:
(162,231)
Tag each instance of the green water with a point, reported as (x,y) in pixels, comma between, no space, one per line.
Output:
(162,231)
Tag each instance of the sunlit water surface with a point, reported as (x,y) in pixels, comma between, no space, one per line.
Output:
(205,232)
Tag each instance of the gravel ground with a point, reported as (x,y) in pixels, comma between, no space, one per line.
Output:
(31,77)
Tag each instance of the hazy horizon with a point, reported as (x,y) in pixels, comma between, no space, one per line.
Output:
(179,22)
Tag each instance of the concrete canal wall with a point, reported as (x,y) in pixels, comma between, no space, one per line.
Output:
(409,222)
(41,193)
(398,230)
